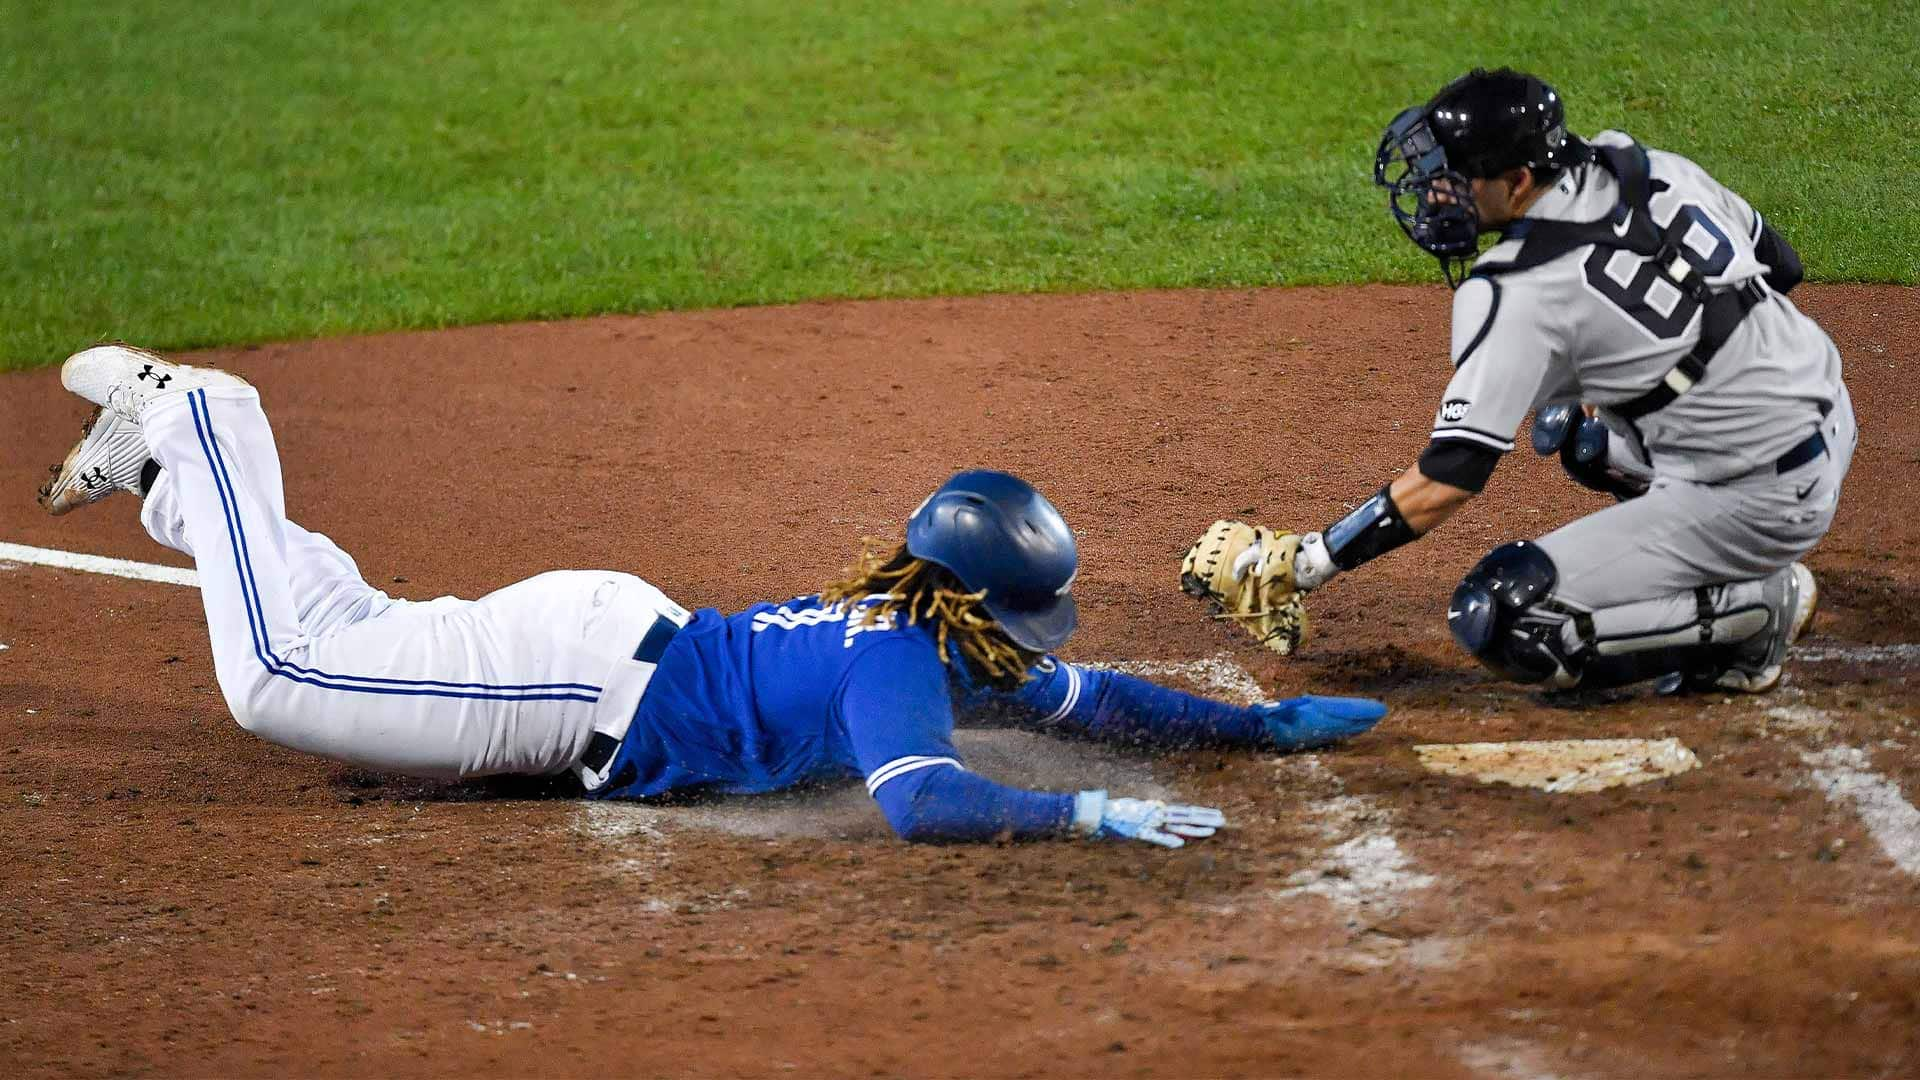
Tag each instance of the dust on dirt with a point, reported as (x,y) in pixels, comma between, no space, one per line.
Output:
(182,899)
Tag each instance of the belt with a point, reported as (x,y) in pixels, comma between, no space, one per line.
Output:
(602,747)
(1806,450)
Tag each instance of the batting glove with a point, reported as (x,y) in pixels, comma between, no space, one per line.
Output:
(1311,720)
(1169,825)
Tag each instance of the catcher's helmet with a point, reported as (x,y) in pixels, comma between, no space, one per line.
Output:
(997,534)
(1478,126)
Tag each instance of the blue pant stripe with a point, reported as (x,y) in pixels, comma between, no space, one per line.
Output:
(256,615)
(230,498)
(232,516)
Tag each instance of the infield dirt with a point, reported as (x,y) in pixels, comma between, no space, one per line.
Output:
(181,899)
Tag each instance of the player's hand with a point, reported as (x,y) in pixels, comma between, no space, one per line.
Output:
(1166,824)
(1303,723)
(1313,563)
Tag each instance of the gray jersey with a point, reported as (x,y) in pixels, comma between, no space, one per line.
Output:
(1601,331)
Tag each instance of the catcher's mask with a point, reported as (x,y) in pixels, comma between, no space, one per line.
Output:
(1478,126)
(998,535)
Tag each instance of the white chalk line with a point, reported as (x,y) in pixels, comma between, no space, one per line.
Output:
(1896,655)
(97,564)
(1364,867)
(1844,774)
(1509,1058)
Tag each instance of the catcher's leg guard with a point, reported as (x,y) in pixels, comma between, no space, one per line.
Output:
(1505,614)
(1498,614)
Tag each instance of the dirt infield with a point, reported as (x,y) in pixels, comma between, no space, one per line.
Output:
(182,899)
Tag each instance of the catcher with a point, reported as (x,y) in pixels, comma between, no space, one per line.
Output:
(1641,308)
(598,675)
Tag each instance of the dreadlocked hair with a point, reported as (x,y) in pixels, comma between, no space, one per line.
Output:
(919,590)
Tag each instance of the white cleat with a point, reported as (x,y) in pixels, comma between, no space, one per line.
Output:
(109,457)
(126,379)
(1794,605)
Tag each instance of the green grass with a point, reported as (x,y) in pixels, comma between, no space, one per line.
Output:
(184,174)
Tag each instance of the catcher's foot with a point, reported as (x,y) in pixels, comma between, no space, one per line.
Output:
(126,379)
(1760,662)
(110,456)
(1795,598)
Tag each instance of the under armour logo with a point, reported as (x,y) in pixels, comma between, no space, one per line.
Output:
(159,380)
(94,480)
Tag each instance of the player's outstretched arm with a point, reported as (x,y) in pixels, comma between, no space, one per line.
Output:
(1114,707)
(948,804)
(899,725)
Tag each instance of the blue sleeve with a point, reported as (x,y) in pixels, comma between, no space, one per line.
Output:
(1110,706)
(898,711)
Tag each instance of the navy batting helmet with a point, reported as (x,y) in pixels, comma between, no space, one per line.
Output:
(998,535)
(1478,126)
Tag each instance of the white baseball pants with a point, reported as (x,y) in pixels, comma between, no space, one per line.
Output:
(309,656)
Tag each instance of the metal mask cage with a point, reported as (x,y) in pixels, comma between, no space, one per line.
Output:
(1411,164)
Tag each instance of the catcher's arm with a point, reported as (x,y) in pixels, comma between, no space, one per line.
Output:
(1426,502)
(1398,513)
(1259,577)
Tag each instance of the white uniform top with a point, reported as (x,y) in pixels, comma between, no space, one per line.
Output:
(1604,329)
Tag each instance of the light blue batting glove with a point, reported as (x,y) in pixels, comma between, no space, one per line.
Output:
(1311,720)
(1169,825)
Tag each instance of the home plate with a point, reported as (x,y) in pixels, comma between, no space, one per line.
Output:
(1573,765)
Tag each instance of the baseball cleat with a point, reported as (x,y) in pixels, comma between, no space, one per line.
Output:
(126,379)
(110,456)
(1795,597)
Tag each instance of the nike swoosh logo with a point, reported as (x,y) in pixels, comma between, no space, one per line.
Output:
(1621,229)
(1802,492)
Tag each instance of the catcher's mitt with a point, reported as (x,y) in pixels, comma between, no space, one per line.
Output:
(1246,571)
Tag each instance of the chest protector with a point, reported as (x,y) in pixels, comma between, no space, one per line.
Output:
(1630,227)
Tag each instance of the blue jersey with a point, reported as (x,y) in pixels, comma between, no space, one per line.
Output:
(781,694)
(755,701)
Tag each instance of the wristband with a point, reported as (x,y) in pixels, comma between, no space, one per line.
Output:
(1089,807)
(1369,532)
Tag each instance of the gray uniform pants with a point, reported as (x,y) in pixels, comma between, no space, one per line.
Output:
(1634,570)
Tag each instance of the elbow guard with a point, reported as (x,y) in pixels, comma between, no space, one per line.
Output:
(1783,263)
(1462,464)
(1369,532)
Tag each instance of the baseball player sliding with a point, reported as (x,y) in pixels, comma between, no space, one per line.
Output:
(598,674)
(1641,308)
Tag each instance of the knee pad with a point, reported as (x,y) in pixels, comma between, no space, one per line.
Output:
(1496,615)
